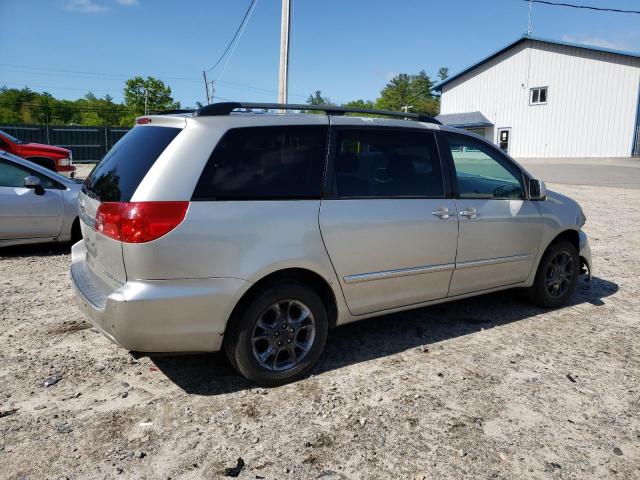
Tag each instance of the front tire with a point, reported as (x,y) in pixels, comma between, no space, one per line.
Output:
(279,335)
(557,276)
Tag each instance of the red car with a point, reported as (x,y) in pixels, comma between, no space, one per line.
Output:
(54,158)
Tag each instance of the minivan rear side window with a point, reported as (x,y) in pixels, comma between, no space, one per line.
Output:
(265,163)
(117,176)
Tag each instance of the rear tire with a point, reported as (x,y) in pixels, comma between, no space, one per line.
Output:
(557,276)
(279,335)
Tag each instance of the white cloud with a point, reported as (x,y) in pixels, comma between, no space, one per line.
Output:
(84,6)
(127,3)
(596,42)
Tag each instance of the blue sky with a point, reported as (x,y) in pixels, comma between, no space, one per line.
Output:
(347,48)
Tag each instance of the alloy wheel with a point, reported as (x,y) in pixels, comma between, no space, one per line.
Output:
(283,335)
(559,274)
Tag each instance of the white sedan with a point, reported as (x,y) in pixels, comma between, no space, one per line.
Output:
(37,205)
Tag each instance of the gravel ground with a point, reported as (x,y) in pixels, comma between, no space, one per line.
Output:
(482,388)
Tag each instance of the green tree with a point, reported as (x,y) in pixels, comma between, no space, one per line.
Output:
(363,104)
(67,113)
(45,105)
(409,92)
(443,73)
(316,98)
(156,93)
(12,104)
(26,106)
(396,94)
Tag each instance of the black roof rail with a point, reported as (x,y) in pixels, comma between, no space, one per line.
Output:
(225,108)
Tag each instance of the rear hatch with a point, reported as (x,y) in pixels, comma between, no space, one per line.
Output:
(114,181)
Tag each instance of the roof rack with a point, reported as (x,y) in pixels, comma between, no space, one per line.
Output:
(225,108)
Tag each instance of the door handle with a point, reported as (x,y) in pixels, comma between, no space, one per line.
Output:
(442,212)
(469,212)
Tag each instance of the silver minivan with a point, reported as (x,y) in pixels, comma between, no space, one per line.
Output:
(256,232)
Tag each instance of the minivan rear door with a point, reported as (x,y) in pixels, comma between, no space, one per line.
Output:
(115,179)
(387,219)
(103,254)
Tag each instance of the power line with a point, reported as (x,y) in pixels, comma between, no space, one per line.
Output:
(90,74)
(244,19)
(119,77)
(256,89)
(253,3)
(585,7)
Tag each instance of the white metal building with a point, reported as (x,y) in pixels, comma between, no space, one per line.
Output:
(544,98)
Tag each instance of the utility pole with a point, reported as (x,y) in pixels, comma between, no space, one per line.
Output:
(283,85)
(529,25)
(206,86)
(405,108)
(146,102)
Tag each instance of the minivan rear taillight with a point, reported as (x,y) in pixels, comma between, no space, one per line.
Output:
(139,222)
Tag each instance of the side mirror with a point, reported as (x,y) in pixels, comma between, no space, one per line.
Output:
(34,182)
(537,190)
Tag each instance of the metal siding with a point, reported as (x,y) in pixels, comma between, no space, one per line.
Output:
(591,104)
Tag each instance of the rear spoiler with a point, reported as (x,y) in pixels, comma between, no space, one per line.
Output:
(164,120)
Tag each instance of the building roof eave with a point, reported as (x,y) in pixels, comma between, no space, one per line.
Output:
(438,87)
(465,120)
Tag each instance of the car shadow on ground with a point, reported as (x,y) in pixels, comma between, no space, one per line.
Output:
(211,374)
(36,250)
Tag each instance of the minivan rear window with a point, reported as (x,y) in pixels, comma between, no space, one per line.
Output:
(118,175)
(265,163)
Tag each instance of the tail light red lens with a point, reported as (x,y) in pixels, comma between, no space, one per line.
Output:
(139,222)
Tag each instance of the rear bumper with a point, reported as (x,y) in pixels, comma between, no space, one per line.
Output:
(156,315)
(585,253)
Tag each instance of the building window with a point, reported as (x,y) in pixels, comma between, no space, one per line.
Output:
(538,96)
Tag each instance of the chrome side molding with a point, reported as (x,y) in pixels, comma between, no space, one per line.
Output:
(404,272)
(401,272)
(492,261)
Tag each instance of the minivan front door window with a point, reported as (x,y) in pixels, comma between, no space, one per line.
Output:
(481,174)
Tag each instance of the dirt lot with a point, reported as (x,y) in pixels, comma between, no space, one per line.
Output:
(482,388)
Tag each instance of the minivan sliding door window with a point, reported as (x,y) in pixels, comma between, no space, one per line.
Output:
(387,163)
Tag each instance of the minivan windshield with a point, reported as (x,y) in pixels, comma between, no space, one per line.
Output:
(117,176)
